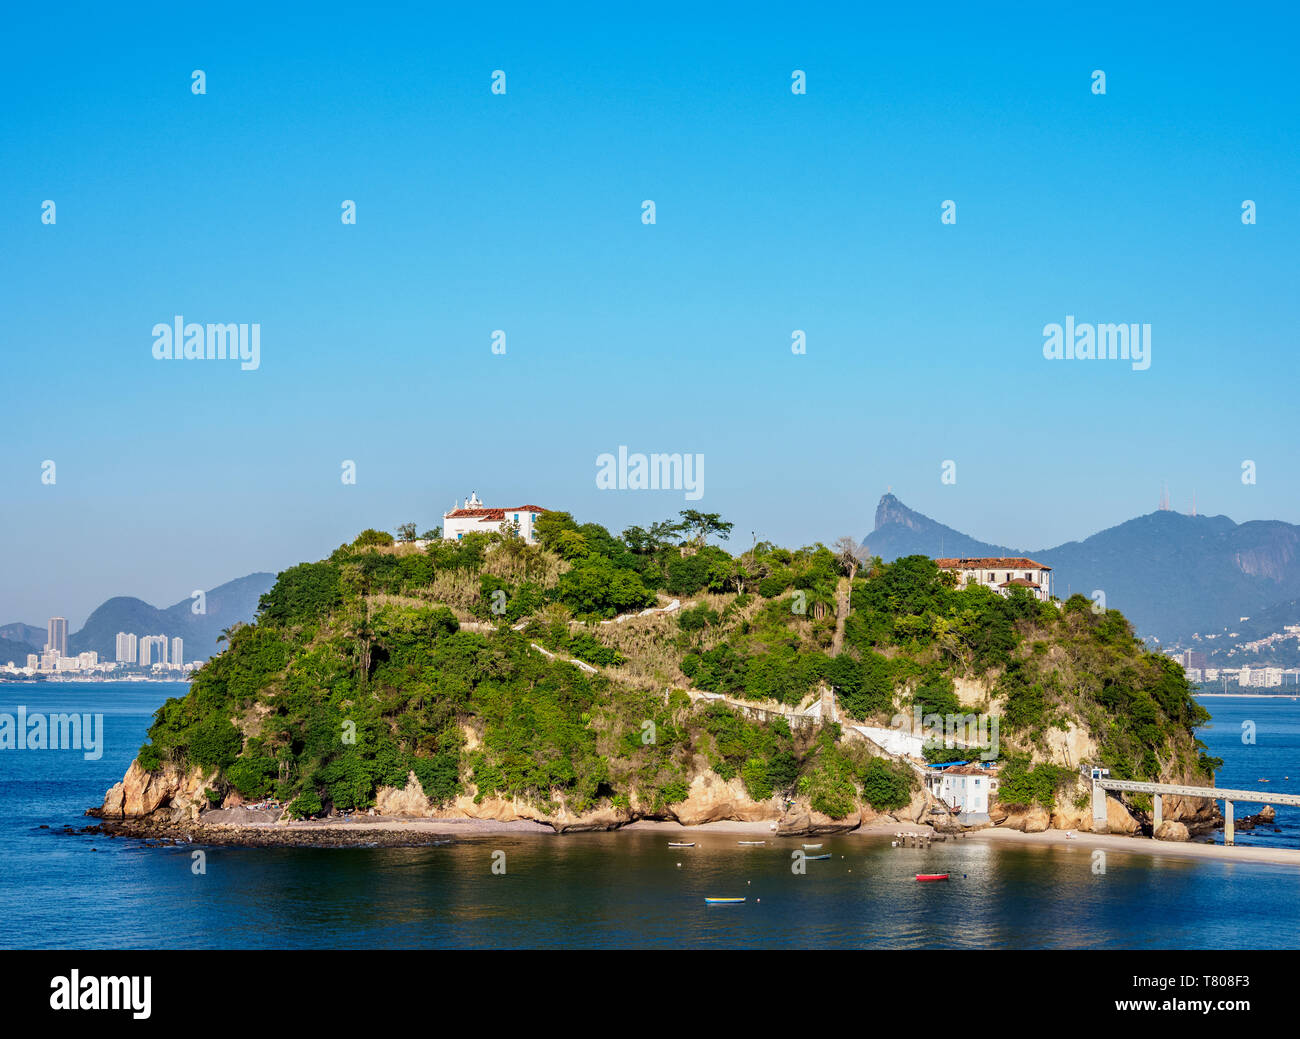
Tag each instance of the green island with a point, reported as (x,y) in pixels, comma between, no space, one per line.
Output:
(591,679)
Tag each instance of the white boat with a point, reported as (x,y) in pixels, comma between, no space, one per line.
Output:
(811,847)
(751,842)
(678,844)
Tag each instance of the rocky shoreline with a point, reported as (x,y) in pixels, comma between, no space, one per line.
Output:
(265,836)
(391,831)
(173,805)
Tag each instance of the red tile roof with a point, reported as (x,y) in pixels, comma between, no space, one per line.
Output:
(489,514)
(1018,581)
(991,563)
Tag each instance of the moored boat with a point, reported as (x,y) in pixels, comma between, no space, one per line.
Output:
(931,876)
(723,901)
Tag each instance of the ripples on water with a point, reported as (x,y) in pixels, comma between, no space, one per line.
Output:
(621,889)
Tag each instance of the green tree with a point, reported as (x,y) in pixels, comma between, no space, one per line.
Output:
(548,527)
(371,538)
(702,525)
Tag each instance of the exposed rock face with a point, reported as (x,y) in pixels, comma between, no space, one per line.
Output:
(172,797)
(1070,747)
(1118,819)
(710,800)
(1033,819)
(1267,814)
(803,819)
(166,795)
(1171,831)
(971,692)
(409,801)
(911,812)
(1067,817)
(605,818)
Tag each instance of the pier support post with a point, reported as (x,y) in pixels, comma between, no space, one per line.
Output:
(1227,823)
(1099,824)
(1156,815)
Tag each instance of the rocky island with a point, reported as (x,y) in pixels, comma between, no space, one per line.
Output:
(582,680)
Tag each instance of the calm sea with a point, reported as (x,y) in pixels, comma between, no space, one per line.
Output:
(620,889)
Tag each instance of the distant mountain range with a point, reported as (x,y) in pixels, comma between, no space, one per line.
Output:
(1172,575)
(225,606)
(17,640)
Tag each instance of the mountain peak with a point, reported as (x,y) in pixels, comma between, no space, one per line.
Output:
(1172,574)
(891,510)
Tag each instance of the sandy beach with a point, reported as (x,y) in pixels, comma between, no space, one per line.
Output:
(1137,846)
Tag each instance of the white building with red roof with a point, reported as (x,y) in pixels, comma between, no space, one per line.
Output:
(1001,573)
(476,518)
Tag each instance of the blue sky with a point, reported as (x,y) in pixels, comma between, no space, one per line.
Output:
(522,212)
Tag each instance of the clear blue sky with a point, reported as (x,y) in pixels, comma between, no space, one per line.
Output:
(522,212)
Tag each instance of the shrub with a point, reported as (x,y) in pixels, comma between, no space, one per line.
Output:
(252,776)
(1020,786)
(301,594)
(304,805)
(675,791)
(885,787)
(215,742)
(757,783)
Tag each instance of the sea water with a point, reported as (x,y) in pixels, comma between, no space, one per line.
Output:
(623,889)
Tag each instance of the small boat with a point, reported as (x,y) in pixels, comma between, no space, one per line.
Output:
(751,842)
(677,844)
(810,847)
(932,876)
(815,858)
(723,901)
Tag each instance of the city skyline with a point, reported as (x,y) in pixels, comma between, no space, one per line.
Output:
(131,650)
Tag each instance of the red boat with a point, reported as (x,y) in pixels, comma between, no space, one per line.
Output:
(932,876)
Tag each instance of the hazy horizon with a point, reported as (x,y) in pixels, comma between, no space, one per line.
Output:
(735,544)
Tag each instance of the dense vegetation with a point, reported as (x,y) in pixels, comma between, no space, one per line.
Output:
(389,659)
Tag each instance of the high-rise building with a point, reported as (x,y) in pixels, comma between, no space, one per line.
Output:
(57,642)
(178,657)
(127,647)
(147,645)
